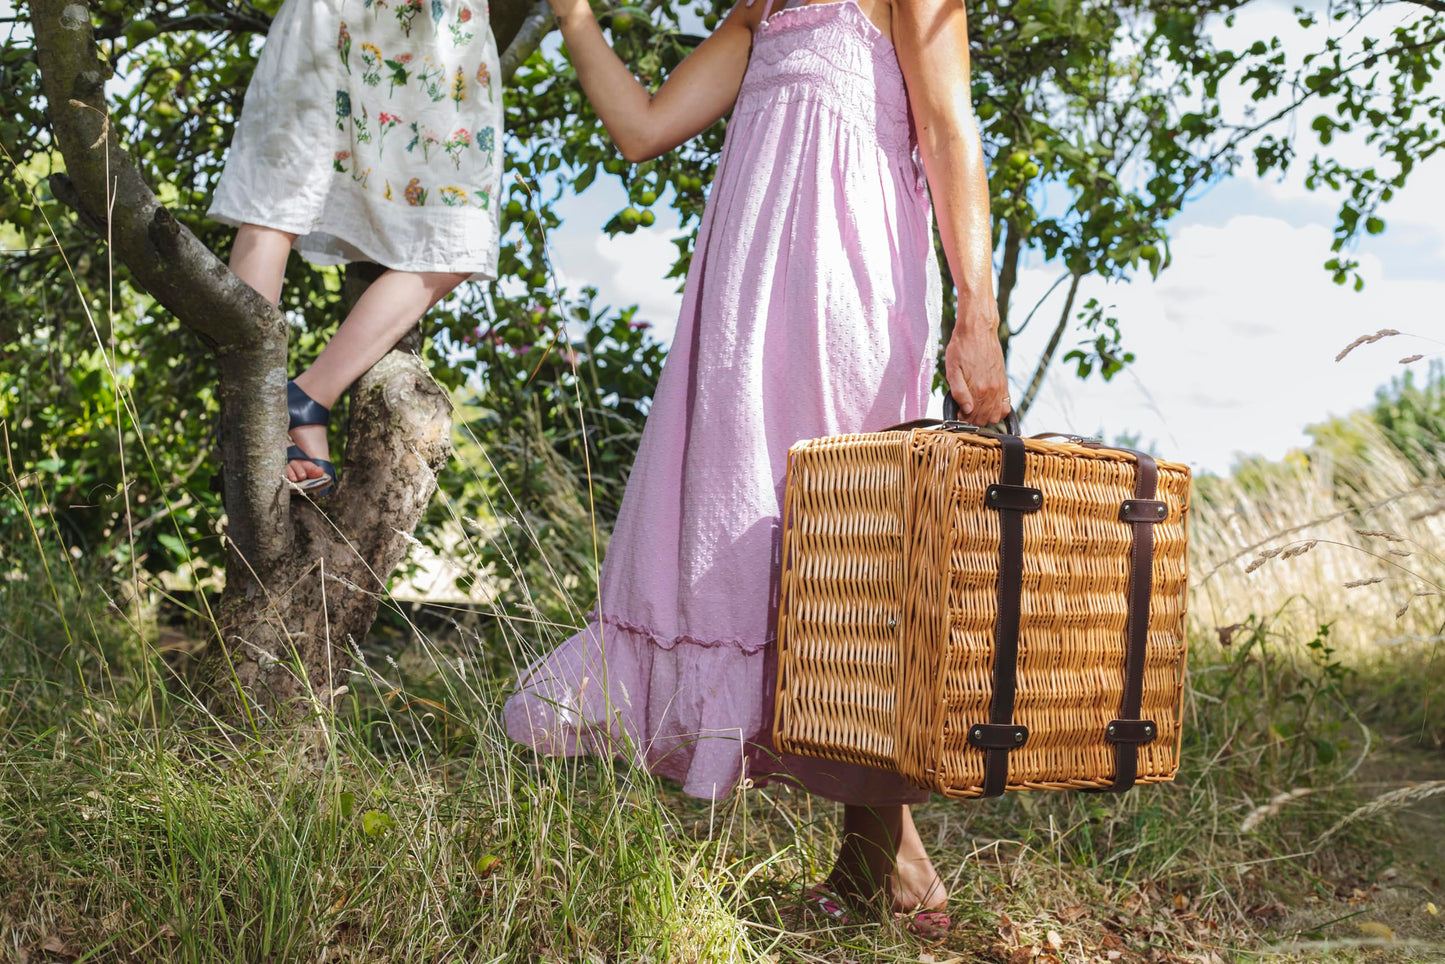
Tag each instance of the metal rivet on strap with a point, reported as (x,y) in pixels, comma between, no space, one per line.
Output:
(1112,729)
(993,495)
(1148,729)
(977,732)
(1018,736)
(1037,498)
(1163,511)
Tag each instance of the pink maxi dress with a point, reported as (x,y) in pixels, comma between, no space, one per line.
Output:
(811,309)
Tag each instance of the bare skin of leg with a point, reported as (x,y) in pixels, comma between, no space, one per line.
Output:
(391,305)
(882,856)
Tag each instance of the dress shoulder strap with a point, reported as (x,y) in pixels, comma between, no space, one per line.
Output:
(767,9)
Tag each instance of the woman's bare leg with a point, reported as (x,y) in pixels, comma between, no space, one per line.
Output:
(881,855)
(390,305)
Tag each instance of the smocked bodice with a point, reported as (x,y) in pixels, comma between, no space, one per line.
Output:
(833,55)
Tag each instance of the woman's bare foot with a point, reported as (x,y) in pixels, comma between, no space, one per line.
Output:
(882,856)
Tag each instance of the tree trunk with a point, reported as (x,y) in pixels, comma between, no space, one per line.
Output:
(1046,358)
(1008,276)
(288,637)
(303,580)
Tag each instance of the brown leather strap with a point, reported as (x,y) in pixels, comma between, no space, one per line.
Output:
(1129,731)
(1000,734)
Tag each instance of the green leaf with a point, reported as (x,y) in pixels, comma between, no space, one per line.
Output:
(174,546)
(376,822)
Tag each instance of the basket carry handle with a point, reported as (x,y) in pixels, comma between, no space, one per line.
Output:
(951,415)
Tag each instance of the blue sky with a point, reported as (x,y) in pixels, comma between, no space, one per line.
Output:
(1235,341)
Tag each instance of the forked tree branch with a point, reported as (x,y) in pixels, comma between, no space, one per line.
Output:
(247,332)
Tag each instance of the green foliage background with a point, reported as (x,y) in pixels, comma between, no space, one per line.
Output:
(1100,120)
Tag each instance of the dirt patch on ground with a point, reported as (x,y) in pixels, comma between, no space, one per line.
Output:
(1394,911)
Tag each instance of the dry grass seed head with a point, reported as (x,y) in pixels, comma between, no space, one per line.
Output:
(1262,558)
(1298,549)
(1365,340)
(1379,534)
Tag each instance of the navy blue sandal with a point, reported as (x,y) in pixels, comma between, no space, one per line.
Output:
(305,410)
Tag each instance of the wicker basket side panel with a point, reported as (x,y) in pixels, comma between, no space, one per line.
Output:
(840,598)
(1074,611)
(929,544)
(1164,665)
(971,591)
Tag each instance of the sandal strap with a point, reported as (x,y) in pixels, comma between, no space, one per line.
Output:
(303,409)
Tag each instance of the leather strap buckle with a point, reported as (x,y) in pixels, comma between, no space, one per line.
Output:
(997,736)
(1143,510)
(1018,498)
(1131,731)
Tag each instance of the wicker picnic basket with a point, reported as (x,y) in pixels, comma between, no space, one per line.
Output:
(981,612)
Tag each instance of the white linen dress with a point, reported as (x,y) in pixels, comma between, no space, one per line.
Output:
(373,130)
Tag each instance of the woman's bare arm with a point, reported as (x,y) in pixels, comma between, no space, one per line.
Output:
(931,37)
(699,91)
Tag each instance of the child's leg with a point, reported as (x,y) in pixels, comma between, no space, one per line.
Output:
(392,304)
(258,257)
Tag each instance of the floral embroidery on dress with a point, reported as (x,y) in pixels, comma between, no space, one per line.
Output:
(460,36)
(370,64)
(384,123)
(484,78)
(399,74)
(409,111)
(406,12)
(459,87)
(460,140)
(425,138)
(430,76)
(343,44)
(360,126)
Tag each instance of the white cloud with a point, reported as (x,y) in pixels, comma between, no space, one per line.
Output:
(636,264)
(1236,344)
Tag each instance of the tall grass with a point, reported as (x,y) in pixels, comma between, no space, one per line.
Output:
(130,829)
(1351,537)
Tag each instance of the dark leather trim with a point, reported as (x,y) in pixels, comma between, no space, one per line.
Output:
(303,409)
(1131,731)
(1020,498)
(993,736)
(1144,510)
(1006,633)
(1136,635)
